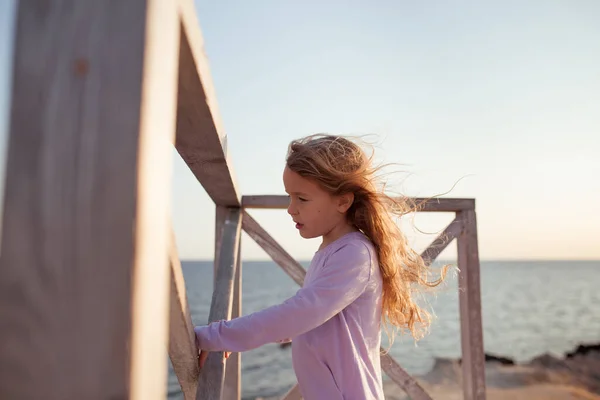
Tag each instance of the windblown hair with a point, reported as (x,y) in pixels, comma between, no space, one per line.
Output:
(341,166)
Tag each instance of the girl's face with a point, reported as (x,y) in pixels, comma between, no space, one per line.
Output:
(315,212)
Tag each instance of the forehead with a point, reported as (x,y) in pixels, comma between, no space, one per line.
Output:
(294,183)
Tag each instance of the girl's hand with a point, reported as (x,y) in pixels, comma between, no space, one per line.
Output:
(204,355)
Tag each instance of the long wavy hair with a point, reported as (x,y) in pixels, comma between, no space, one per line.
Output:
(339,166)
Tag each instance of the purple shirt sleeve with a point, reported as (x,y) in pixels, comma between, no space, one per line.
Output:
(342,280)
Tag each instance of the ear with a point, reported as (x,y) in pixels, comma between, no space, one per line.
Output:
(345,201)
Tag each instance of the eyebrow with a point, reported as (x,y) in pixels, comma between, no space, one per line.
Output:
(298,194)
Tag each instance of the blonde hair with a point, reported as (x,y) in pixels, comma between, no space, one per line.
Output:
(341,166)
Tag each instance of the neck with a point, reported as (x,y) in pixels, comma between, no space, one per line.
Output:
(336,232)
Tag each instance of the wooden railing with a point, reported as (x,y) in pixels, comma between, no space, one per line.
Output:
(99,92)
(463,228)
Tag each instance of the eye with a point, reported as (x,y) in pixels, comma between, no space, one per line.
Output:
(302,199)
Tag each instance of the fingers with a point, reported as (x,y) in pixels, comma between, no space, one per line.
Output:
(202,358)
(204,355)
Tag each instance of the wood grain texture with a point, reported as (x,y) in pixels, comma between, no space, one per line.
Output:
(211,380)
(232,388)
(430,205)
(84,240)
(297,273)
(182,340)
(471,330)
(201,140)
(220,214)
(451,232)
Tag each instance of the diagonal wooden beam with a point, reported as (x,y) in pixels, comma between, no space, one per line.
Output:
(297,273)
(451,232)
(201,140)
(403,378)
(273,249)
(212,376)
(182,340)
(293,393)
(442,204)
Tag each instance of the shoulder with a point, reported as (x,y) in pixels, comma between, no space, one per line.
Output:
(355,244)
(354,250)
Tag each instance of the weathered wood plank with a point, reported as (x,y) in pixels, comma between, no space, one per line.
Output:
(424,204)
(232,389)
(396,373)
(297,273)
(201,140)
(451,232)
(211,380)
(293,393)
(182,340)
(220,215)
(273,249)
(471,330)
(85,222)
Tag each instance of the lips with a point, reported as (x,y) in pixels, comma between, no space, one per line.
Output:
(299,225)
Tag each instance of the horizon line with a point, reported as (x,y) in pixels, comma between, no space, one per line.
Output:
(443,260)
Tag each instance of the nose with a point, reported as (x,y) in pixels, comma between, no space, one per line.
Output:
(292,208)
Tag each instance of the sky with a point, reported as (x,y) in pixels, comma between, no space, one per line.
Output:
(497,101)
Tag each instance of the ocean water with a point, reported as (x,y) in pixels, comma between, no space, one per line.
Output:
(529,308)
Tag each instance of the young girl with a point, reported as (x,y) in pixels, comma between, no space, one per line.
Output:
(362,274)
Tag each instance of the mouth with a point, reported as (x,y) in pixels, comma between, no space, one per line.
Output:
(299,225)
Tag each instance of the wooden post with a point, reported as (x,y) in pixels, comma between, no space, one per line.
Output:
(210,385)
(220,214)
(232,387)
(182,340)
(232,390)
(83,278)
(473,358)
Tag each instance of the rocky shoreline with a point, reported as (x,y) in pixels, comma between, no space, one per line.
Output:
(574,376)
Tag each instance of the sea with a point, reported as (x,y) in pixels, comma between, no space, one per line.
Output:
(529,308)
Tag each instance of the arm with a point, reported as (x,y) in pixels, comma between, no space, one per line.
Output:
(342,280)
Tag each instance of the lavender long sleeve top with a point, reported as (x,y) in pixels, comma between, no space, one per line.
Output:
(333,321)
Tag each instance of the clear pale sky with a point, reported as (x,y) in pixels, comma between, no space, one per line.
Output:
(500,97)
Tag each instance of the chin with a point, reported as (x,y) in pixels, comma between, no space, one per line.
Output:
(307,235)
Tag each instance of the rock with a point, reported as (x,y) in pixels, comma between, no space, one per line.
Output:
(492,358)
(499,359)
(583,349)
(548,361)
